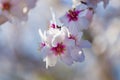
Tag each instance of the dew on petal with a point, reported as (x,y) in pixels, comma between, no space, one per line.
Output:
(80,52)
(25,10)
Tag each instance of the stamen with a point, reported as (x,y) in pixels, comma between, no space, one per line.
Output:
(59,49)
(53,26)
(73,15)
(6,6)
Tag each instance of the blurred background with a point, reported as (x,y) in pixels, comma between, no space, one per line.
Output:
(20,58)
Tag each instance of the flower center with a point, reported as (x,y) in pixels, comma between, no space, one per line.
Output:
(59,49)
(73,15)
(6,6)
(55,26)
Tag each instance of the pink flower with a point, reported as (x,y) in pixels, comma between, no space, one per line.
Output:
(49,50)
(16,9)
(59,44)
(78,18)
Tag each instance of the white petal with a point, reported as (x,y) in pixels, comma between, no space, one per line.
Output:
(78,37)
(69,42)
(92,3)
(50,60)
(58,38)
(64,19)
(50,34)
(77,54)
(73,27)
(66,31)
(83,23)
(81,7)
(85,44)
(53,16)
(41,35)
(89,15)
(44,51)
(67,58)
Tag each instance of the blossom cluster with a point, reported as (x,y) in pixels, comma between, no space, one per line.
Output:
(63,39)
(15,10)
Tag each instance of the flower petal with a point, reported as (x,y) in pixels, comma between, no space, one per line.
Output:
(44,51)
(42,35)
(64,19)
(85,44)
(69,42)
(53,16)
(73,27)
(81,7)
(89,15)
(50,60)
(66,31)
(67,58)
(92,3)
(77,54)
(79,36)
(50,34)
(58,38)
(83,23)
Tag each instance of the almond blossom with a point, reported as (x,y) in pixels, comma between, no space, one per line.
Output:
(16,9)
(47,41)
(61,44)
(78,18)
